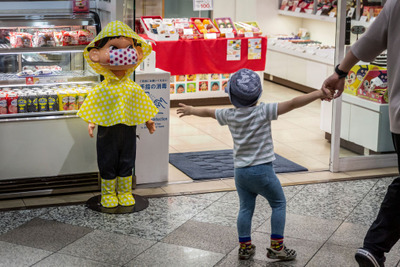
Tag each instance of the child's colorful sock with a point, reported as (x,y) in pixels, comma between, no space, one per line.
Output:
(244,242)
(276,242)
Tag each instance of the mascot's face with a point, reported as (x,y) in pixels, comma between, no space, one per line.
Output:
(116,47)
(351,77)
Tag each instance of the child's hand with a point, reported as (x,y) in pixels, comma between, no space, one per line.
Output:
(91,128)
(184,111)
(151,126)
(326,95)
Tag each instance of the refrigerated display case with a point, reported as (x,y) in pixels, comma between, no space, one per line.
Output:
(43,78)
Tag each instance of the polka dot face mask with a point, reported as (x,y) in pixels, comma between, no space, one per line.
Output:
(123,56)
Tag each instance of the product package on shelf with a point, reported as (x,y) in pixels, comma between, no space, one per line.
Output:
(159,29)
(371,12)
(374,86)
(206,27)
(41,37)
(186,29)
(356,76)
(247,27)
(225,25)
(42,98)
(306,6)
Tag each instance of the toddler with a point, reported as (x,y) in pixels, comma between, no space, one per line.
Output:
(250,127)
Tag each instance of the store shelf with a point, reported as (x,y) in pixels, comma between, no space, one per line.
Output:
(46,115)
(307,16)
(64,77)
(328,61)
(358,101)
(57,49)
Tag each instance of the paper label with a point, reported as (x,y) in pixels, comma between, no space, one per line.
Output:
(229,35)
(212,35)
(248,34)
(187,31)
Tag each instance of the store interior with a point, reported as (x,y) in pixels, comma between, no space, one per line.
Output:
(300,55)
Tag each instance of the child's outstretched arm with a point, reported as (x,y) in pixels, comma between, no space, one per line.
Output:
(200,112)
(301,101)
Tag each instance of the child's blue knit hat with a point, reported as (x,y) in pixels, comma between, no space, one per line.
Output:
(244,88)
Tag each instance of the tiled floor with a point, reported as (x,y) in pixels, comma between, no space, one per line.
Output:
(325,224)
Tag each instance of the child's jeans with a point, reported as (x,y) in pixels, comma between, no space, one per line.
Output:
(259,180)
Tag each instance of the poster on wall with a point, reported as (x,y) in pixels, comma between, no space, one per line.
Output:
(200,5)
(254,49)
(233,49)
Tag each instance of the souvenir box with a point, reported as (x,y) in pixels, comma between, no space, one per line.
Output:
(243,27)
(355,76)
(186,29)
(225,25)
(205,26)
(374,86)
(159,29)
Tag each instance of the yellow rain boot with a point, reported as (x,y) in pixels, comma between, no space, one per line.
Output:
(108,196)
(125,197)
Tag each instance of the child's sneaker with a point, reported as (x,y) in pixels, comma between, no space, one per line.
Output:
(284,254)
(245,252)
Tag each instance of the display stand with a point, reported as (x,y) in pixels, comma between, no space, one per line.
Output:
(207,57)
(141,203)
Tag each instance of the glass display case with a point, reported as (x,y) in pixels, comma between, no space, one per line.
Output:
(42,68)
(43,80)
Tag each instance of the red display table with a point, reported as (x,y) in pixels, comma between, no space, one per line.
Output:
(205,56)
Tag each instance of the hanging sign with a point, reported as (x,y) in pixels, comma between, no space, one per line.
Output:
(200,5)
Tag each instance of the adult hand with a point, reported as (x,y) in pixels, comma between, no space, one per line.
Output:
(334,85)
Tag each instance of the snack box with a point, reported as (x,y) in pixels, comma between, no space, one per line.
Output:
(225,25)
(252,26)
(374,86)
(186,29)
(159,29)
(355,76)
(205,26)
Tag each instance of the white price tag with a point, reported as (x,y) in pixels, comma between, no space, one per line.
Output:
(229,35)
(319,12)
(225,30)
(297,10)
(187,31)
(248,34)
(363,18)
(212,35)
(332,14)
(286,8)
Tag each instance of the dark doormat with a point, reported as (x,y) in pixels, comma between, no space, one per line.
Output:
(219,164)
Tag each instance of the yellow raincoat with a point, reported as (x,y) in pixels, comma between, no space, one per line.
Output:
(117,101)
